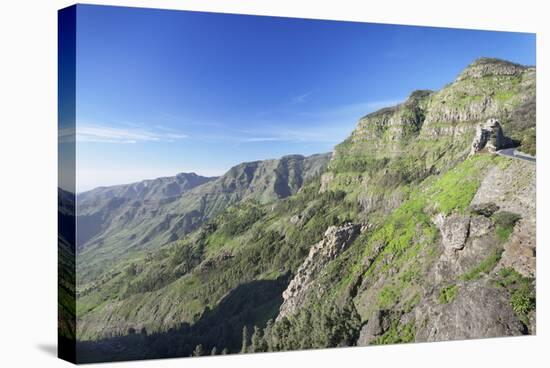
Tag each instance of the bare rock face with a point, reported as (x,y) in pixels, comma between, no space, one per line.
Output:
(326,178)
(465,240)
(513,189)
(454,231)
(477,311)
(520,250)
(489,136)
(484,67)
(335,241)
(377,324)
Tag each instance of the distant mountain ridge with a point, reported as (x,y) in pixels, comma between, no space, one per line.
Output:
(159,218)
(99,206)
(152,189)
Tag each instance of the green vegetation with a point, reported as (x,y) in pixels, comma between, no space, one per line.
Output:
(523,300)
(522,292)
(504,224)
(317,325)
(484,267)
(238,219)
(397,333)
(529,142)
(447,294)
(486,209)
(408,236)
(367,165)
(455,190)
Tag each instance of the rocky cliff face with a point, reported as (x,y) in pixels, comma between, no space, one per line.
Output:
(432,133)
(335,241)
(467,291)
(433,130)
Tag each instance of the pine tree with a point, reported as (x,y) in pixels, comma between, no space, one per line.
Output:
(244,346)
(199,350)
(214,351)
(224,351)
(256,341)
(267,335)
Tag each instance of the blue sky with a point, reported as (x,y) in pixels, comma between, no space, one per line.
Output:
(161,92)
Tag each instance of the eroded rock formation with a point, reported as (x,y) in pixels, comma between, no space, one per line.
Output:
(335,241)
(490,136)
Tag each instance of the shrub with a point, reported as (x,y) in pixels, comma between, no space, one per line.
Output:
(448,294)
(505,218)
(396,334)
(484,209)
(504,224)
(484,267)
(522,292)
(523,300)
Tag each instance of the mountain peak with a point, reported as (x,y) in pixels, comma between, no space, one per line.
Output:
(486,66)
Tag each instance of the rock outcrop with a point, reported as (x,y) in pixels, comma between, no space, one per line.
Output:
(335,241)
(455,229)
(485,67)
(465,241)
(489,136)
(378,323)
(513,189)
(478,311)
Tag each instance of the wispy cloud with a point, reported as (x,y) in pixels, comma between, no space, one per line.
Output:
(97,133)
(301,98)
(327,126)
(278,133)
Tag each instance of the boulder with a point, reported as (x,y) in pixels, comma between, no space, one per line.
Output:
(454,231)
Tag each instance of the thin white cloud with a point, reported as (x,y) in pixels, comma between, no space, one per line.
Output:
(330,125)
(327,133)
(96,133)
(301,98)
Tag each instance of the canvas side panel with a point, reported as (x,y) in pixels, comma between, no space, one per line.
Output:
(66,183)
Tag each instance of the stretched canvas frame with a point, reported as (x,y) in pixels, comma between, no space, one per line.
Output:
(418,225)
